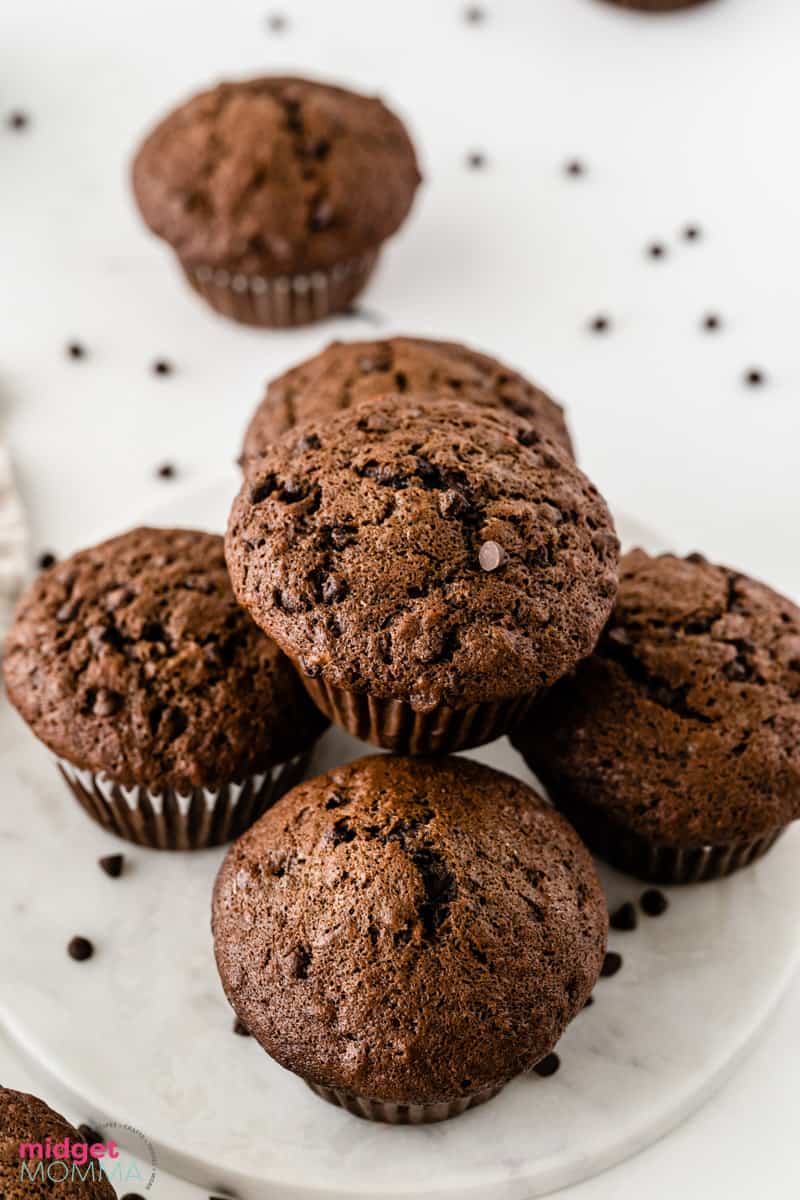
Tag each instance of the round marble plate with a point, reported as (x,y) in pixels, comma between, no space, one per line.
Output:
(141,1033)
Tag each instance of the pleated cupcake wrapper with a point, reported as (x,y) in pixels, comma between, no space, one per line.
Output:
(173,820)
(654,863)
(282,301)
(402,1114)
(395,725)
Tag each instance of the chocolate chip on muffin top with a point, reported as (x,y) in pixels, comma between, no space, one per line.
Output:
(357,546)
(133,658)
(24,1118)
(345,373)
(412,930)
(684,725)
(275,175)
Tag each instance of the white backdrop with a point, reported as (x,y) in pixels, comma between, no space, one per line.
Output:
(681,119)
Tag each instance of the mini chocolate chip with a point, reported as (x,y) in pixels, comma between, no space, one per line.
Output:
(46,560)
(67,611)
(711,322)
(80,948)
(611,964)
(75,350)
(600,324)
(589,1001)
(90,1135)
(476,160)
(624,918)
(240,1029)
(654,903)
(754,377)
(528,437)
(276,23)
(548,1066)
(696,557)
(309,441)
(162,367)
(17,120)
(692,233)
(311,669)
(107,703)
(132,1196)
(575,167)
(452,503)
(657,250)
(334,588)
(491,556)
(112,864)
(322,216)
(166,471)
(474,14)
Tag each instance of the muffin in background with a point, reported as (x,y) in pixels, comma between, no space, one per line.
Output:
(345,373)
(24,1118)
(675,749)
(175,722)
(431,566)
(276,194)
(409,934)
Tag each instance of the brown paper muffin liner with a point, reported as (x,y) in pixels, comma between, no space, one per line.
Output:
(282,301)
(395,725)
(402,1114)
(172,820)
(635,855)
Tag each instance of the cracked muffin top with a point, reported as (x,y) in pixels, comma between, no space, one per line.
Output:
(24,1118)
(430,551)
(345,373)
(134,658)
(275,175)
(412,930)
(684,725)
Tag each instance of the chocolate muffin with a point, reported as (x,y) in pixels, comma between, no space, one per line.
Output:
(345,373)
(675,749)
(409,934)
(174,720)
(430,565)
(23,1118)
(276,194)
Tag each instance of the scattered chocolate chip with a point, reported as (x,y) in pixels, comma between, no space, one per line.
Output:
(76,350)
(548,1066)
(476,160)
(277,23)
(162,367)
(711,322)
(657,250)
(654,903)
(166,471)
(46,560)
(754,377)
(90,1135)
(474,14)
(132,1196)
(80,948)
(589,1001)
(600,324)
(18,120)
(692,233)
(112,864)
(491,556)
(355,312)
(452,503)
(322,216)
(624,918)
(696,557)
(240,1029)
(334,588)
(575,167)
(107,703)
(611,964)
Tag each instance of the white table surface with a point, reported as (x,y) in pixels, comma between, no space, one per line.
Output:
(687,118)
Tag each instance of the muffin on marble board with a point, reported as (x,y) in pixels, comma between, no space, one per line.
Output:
(431,566)
(276,194)
(409,934)
(174,721)
(675,748)
(25,1118)
(345,373)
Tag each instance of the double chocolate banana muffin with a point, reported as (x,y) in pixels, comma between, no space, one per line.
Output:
(409,934)
(24,1118)
(176,722)
(430,565)
(276,194)
(675,749)
(345,373)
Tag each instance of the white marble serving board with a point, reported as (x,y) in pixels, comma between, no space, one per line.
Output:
(142,1033)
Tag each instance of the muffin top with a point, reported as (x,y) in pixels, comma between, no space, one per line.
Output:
(275,175)
(23,1118)
(684,725)
(431,551)
(345,373)
(134,658)
(409,929)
